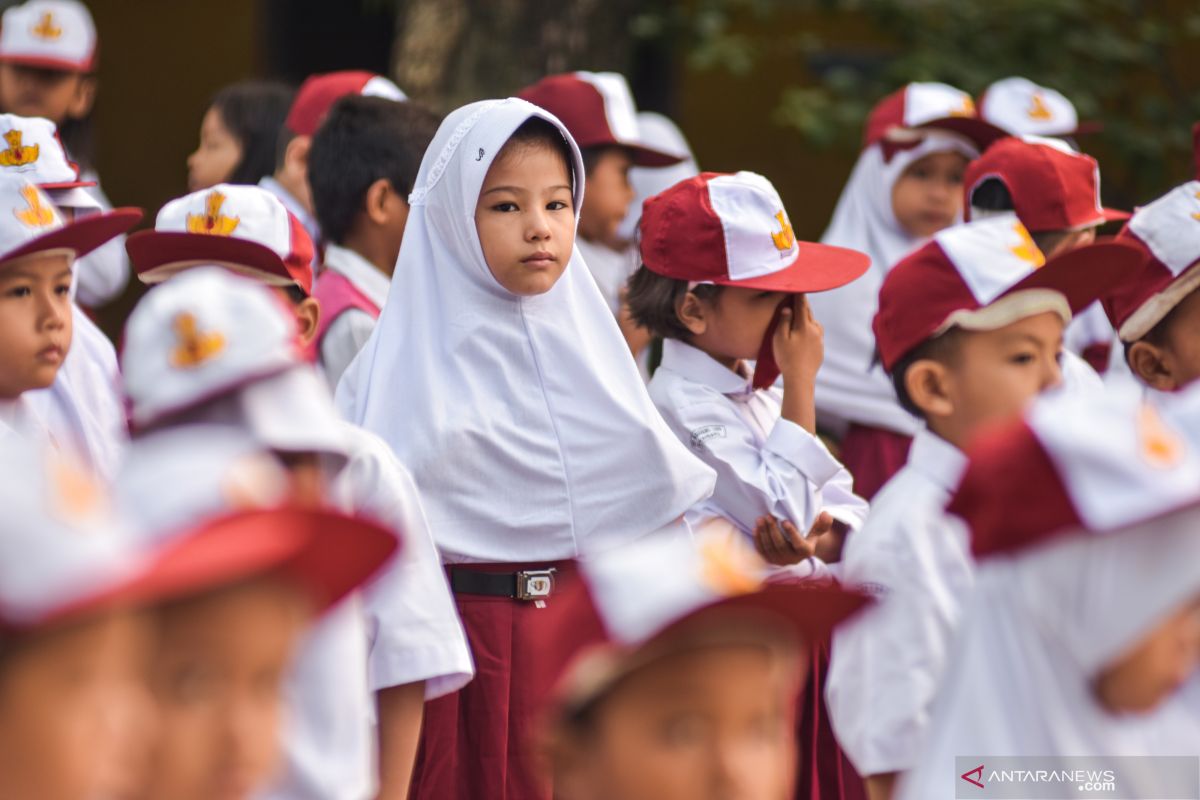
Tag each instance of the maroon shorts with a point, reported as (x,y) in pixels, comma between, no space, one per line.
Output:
(873,456)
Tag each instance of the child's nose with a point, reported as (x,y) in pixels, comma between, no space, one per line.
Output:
(539,226)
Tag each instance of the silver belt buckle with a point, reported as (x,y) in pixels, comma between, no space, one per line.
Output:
(535,584)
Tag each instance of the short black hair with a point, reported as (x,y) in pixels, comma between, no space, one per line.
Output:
(538,132)
(992,195)
(363,140)
(592,155)
(652,300)
(943,348)
(254,112)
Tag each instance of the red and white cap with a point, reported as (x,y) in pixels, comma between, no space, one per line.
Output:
(629,605)
(245,229)
(598,109)
(32,150)
(318,93)
(209,335)
(1052,473)
(1021,107)
(1053,187)
(30,223)
(49,34)
(1168,232)
(906,114)
(985,275)
(732,230)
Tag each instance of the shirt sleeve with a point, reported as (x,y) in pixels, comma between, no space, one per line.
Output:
(101,275)
(342,341)
(413,629)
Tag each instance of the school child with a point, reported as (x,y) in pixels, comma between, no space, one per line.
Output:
(723,281)
(1023,108)
(682,689)
(318,92)
(211,347)
(598,110)
(84,405)
(238,134)
(970,329)
(361,168)
(1156,311)
(1055,192)
(905,187)
(39,250)
(500,379)
(48,60)
(1085,619)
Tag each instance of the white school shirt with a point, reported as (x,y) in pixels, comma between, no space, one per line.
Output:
(764,464)
(610,268)
(293,205)
(102,274)
(1089,327)
(887,664)
(349,332)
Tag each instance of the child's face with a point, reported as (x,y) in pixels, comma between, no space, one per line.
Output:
(730,326)
(35,322)
(221,661)
(707,723)
(68,714)
(607,196)
(1173,362)
(53,94)
(217,156)
(525,218)
(927,196)
(1158,665)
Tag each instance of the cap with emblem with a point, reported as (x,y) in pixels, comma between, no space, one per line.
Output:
(985,275)
(33,151)
(1168,232)
(208,336)
(596,629)
(30,223)
(1053,187)
(1022,107)
(245,229)
(906,114)
(318,93)
(49,34)
(598,109)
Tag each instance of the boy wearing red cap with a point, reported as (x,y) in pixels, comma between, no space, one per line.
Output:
(970,329)
(1156,312)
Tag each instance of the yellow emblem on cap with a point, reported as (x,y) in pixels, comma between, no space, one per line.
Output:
(193,346)
(1027,250)
(966,109)
(728,566)
(212,221)
(16,154)
(45,28)
(1038,108)
(1196,214)
(1160,446)
(785,237)
(37,214)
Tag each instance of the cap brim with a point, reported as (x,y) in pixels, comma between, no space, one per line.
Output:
(817,268)
(1085,274)
(46,62)
(71,196)
(649,157)
(157,255)
(1113,215)
(979,132)
(82,235)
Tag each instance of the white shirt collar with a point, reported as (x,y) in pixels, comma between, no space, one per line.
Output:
(360,272)
(696,365)
(293,205)
(937,459)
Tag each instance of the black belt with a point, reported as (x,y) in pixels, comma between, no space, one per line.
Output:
(529,584)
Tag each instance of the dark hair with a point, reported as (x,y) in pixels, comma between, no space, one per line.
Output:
(592,155)
(652,300)
(1157,335)
(254,111)
(993,195)
(537,132)
(943,348)
(362,140)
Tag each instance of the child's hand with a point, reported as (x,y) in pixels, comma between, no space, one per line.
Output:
(799,342)
(780,543)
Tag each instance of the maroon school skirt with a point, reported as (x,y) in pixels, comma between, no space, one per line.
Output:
(873,456)
(474,742)
(823,771)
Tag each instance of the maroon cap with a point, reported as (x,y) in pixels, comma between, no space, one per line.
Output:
(318,93)
(905,113)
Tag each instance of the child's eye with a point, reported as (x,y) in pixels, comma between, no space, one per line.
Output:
(556,205)
(19,291)
(1023,358)
(63,290)
(506,206)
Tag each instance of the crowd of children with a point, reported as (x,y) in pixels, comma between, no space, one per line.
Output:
(507,455)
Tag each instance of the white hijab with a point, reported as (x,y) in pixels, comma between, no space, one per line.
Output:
(850,387)
(1039,629)
(522,419)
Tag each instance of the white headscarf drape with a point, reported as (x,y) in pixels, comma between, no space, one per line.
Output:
(522,419)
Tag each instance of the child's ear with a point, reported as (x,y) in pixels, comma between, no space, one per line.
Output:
(1152,365)
(295,157)
(308,316)
(83,99)
(375,201)
(692,313)
(928,385)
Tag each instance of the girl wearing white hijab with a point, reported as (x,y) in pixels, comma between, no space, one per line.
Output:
(499,376)
(1085,619)
(855,399)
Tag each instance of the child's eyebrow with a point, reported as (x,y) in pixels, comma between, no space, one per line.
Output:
(513,189)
